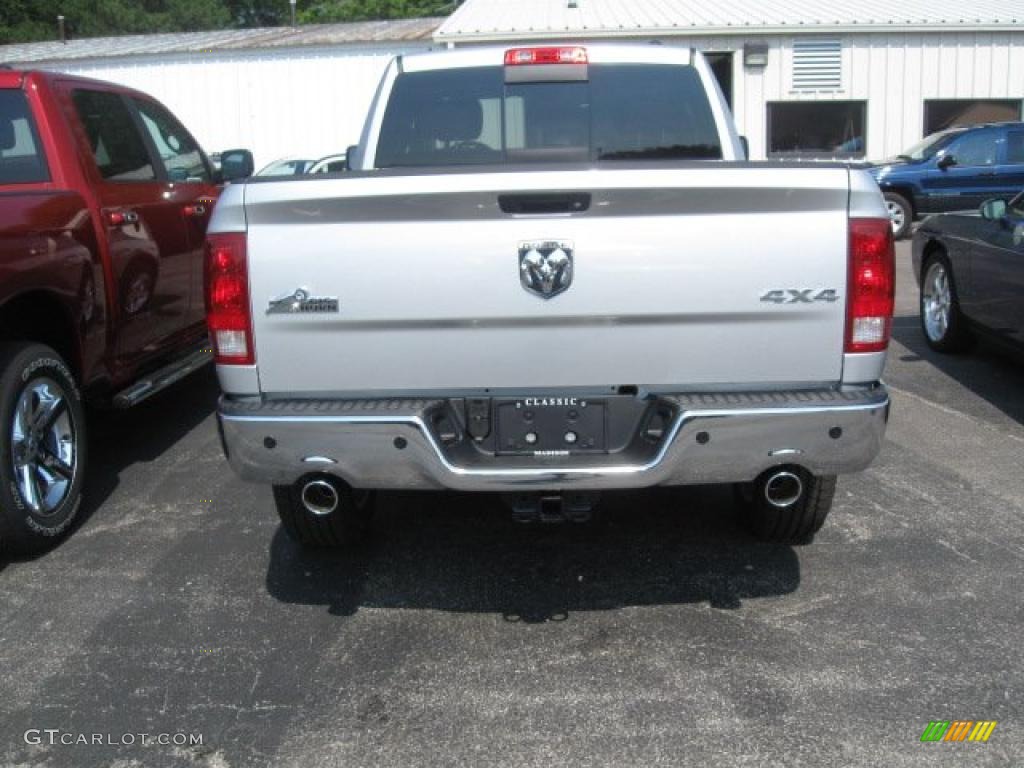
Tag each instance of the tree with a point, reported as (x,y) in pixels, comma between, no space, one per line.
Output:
(322,11)
(259,13)
(24,20)
(195,15)
(20,20)
(27,20)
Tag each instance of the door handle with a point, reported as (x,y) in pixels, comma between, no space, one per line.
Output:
(544,202)
(118,218)
(194,210)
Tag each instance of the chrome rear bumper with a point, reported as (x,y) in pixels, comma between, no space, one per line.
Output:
(716,438)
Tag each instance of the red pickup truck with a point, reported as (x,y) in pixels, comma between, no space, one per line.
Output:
(104,202)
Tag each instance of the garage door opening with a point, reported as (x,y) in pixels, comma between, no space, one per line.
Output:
(940,114)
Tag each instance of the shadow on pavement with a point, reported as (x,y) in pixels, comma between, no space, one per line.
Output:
(462,552)
(119,439)
(991,372)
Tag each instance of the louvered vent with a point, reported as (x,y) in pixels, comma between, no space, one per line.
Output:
(817,65)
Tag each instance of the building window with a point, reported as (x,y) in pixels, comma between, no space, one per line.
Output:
(816,128)
(817,65)
(940,114)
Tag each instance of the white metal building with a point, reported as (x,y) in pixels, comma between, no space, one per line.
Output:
(279,91)
(806,77)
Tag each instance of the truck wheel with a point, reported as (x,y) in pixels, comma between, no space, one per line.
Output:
(42,447)
(901,213)
(321,511)
(786,504)
(941,320)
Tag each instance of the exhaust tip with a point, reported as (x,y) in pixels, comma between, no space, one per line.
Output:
(319,497)
(783,489)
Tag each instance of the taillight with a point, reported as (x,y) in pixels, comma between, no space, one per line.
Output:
(571,54)
(869,293)
(227,299)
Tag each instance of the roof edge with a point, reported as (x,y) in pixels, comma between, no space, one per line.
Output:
(414,30)
(383,46)
(732,30)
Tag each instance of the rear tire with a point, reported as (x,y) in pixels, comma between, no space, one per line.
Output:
(942,322)
(795,523)
(901,213)
(346,524)
(43,448)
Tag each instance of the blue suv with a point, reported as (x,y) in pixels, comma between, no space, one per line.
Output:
(953,170)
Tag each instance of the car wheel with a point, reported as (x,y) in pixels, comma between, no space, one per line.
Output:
(320,511)
(941,319)
(786,504)
(901,214)
(42,447)
(137,286)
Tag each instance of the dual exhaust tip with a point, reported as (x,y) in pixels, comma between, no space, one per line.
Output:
(782,488)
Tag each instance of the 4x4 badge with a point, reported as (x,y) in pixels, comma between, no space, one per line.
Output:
(800,296)
(545,266)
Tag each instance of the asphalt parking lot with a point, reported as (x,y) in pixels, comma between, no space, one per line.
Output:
(659,634)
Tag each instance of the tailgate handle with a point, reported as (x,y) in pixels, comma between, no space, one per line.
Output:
(544,202)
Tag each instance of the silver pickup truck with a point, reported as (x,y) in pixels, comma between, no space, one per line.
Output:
(550,272)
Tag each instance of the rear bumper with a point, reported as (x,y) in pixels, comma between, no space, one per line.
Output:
(716,438)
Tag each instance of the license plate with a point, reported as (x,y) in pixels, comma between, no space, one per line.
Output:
(551,426)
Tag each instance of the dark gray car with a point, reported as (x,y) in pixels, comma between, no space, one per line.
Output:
(970,267)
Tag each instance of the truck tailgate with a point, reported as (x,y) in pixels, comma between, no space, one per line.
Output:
(671,269)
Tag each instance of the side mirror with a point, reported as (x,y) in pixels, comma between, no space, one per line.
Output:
(994,209)
(746,147)
(236,164)
(350,157)
(945,162)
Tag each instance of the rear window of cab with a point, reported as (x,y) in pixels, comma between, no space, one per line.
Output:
(21,154)
(620,112)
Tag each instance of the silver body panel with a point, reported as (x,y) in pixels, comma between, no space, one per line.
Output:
(356,441)
(670,265)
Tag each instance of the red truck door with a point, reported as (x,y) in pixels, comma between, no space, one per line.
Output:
(191,187)
(141,211)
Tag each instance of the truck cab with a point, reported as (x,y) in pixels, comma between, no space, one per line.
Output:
(106,199)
